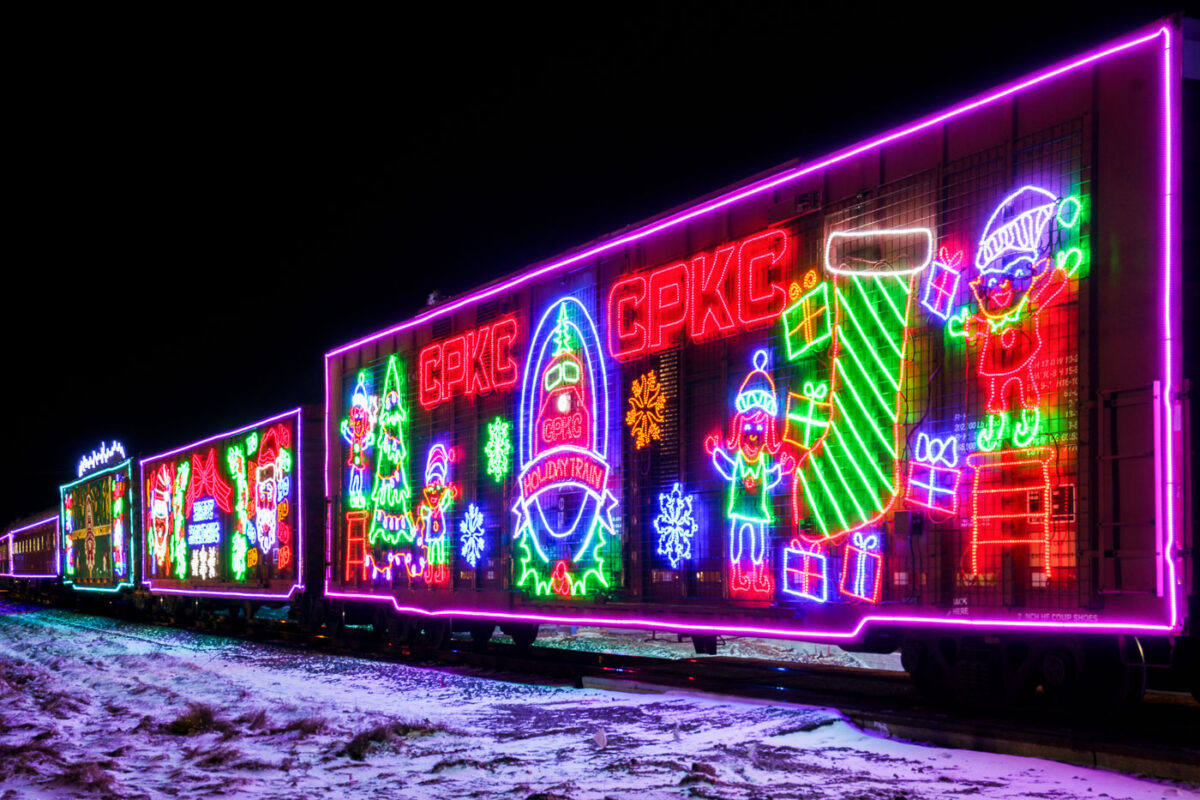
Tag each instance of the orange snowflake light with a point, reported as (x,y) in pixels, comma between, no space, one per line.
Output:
(645,415)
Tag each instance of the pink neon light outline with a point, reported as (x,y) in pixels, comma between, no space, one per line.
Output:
(1168,199)
(298,469)
(9,534)
(769,183)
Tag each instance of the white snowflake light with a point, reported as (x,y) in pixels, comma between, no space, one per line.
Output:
(675,525)
(473,542)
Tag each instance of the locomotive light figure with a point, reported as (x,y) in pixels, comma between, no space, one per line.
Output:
(564,508)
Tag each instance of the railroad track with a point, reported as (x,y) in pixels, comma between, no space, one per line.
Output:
(1160,738)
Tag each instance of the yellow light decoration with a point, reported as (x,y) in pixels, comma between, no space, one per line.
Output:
(645,415)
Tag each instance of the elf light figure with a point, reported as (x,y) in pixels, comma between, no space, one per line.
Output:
(1018,281)
(747,462)
(358,431)
(429,559)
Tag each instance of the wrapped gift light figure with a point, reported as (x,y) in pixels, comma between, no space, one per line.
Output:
(862,567)
(805,572)
(933,474)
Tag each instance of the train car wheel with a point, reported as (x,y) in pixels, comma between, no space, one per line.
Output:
(921,667)
(523,634)
(381,623)
(400,628)
(1022,672)
(481,633)
(1059,678)
(1114,675)
(183,614)
(1134,674)
(336,622)
(705,644)
(437,632)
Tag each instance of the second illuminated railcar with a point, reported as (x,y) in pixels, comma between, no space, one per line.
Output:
(227,516)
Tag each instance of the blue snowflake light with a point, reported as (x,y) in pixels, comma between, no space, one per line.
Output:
(675,525)
(473,543)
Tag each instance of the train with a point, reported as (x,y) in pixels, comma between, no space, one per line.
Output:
(922,394)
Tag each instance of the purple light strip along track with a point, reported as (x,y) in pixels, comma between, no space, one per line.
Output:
(769,183)
(11,543)
(299,533)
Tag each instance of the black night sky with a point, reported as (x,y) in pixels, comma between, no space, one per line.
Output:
(201,207)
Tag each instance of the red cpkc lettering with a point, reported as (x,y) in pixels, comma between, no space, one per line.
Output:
(736,286)
(469,364)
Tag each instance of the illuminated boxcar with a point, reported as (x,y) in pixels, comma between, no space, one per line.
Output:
(99,523)
(920,389)
(226,517)
(29,554)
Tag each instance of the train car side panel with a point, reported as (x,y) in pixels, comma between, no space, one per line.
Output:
(99,529)
(926,381)
(33,548)
(226,516)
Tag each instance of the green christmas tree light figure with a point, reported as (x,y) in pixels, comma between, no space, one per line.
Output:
(562,333)
(391,497)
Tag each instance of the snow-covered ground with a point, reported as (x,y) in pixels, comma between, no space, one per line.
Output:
(94,707)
